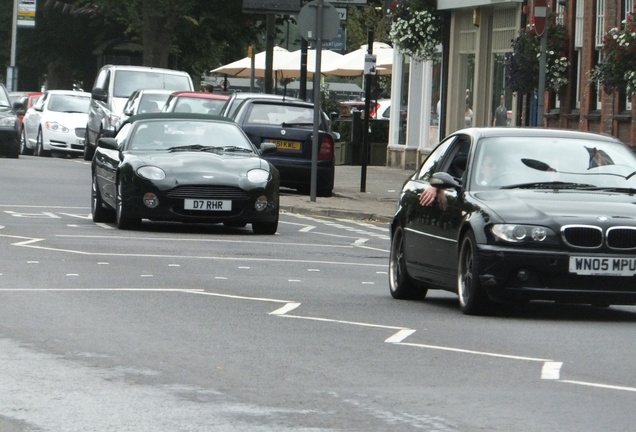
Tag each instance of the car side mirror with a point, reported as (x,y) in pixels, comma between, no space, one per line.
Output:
(268,148)
(444,180)
(99,94)
(108,143)
(19,108)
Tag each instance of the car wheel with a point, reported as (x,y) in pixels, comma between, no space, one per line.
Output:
(268,228)
(473,300)
(400,283)
(88,150)
(99,211)
(39,146)
(23,145)
(123,218)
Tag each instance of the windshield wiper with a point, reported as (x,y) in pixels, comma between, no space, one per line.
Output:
(236,149)
(550,185)
(193,147)
(615,189)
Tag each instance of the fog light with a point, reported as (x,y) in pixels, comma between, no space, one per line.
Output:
(522,275)
(151,200)
(261,203)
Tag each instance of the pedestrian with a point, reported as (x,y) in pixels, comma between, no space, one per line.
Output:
(501,113)
(208,88)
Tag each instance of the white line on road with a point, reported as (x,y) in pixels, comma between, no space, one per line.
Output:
(603,386)
(551,370)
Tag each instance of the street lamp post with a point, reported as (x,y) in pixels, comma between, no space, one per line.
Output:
(12,71)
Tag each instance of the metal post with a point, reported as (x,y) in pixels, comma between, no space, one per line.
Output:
(317,110)
(12,71)
(542,72)
(367,108)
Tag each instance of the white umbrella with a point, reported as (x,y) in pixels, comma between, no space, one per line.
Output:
(243,67)
(290,68)
(352,64)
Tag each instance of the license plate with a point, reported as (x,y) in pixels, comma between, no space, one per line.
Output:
(286,145)
(207,205)
(603,266)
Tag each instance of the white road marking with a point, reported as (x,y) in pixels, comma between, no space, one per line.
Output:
(551,370)
(30,244)
(603,386)
(287,308)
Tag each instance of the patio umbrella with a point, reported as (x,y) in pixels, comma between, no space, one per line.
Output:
(352,64)
(242,68)
(290,68)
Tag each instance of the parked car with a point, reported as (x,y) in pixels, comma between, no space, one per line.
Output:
(379,109)
(143,101)
(235,99)
(523,214)
(196,102)
(113,86)
(56,124)
(27,99)
(9,125)
(289,125)
(184,167)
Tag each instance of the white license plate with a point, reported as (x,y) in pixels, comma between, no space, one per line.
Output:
(603,266)
(207,205)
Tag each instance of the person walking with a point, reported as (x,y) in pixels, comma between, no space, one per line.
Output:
(501,113)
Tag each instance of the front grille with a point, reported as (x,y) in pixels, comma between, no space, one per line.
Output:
(215,192)
(623,238)
(80,132)
(582,236)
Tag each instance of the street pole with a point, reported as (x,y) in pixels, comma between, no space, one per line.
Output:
(12,71)
(317,109)
(542,72)
(367,108)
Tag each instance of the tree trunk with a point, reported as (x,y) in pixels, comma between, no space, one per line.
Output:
(157,30)
(59,75)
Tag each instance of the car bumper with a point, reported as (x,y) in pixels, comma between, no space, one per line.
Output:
(70,142)
(172,209)
(297,173)
(545,275)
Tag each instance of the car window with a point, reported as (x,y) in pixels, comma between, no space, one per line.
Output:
(433,162)
(278,114)
(127,82)
(68,103)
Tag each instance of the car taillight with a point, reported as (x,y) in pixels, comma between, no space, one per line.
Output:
(326,148)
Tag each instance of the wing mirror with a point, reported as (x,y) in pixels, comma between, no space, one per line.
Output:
(444,180)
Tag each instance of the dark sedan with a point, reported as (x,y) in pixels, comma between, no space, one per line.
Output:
(289,125)
(186,168)
(9,125)
(520,214)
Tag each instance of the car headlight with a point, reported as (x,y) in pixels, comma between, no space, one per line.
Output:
(516,233)
(150,172)
(258,176)
(8,121)
(55,126)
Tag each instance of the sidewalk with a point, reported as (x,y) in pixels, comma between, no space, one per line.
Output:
(378,202)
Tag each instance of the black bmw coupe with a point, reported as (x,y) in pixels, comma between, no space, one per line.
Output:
(520,215)
(186,168)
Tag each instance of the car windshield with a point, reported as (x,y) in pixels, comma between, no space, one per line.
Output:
(552,163)
(126,82)
(188,135)
(198,105)
(69,103)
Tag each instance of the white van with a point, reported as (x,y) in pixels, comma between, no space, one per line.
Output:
(113,85)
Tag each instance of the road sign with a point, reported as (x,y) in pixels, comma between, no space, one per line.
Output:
(307,21)
(540,16)
(342,13)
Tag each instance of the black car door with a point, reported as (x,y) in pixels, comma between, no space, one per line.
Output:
(431,231)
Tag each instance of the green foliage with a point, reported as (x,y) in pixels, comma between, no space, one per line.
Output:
(360,20)
(617,69)
(416,28)
(522,65)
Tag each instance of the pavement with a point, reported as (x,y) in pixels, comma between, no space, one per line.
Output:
(381,186)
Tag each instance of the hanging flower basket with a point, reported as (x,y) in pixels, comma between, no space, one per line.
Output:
(617,69)
(522,65)
(416,28)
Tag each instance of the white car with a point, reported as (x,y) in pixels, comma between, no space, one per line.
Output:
(56,124)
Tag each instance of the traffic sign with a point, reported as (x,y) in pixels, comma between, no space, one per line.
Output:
(540,16)
(307,21)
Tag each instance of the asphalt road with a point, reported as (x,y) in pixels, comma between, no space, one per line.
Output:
(205,328)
